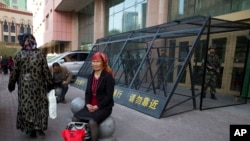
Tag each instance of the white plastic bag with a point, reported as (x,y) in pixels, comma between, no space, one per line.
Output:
(52,104)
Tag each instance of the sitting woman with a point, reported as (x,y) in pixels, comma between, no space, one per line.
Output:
(98,96)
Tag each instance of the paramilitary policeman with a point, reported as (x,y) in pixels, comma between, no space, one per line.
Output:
(212,70)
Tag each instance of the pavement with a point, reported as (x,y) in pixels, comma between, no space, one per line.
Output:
(130,125)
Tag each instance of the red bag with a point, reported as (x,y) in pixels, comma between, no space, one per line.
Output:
(73,135)
(76,131)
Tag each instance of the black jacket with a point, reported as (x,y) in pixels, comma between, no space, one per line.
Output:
(104,93)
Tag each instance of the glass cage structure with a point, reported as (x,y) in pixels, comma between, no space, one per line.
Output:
(150,67)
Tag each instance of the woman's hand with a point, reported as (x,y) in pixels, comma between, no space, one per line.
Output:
(92,108)
(65,82)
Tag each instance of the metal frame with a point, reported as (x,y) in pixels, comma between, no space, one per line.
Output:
(148,42)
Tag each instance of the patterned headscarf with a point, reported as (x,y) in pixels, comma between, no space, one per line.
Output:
(31,39)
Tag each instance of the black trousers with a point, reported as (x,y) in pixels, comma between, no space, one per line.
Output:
(61,90)
(5,69)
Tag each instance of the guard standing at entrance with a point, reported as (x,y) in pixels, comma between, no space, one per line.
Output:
(212,70)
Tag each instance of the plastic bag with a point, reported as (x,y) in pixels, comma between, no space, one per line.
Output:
(52,104)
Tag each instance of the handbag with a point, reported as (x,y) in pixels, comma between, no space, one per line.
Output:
(52,104)
(75,131)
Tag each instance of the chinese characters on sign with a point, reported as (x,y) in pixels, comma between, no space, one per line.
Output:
(117,93)
(80,83)
(143,102)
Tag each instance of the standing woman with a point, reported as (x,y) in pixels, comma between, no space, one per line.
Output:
(31,73)
(98,96)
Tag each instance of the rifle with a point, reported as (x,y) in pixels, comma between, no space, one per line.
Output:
(211,66)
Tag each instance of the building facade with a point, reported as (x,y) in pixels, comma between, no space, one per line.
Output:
(63,25)
(13,22)
(16,4)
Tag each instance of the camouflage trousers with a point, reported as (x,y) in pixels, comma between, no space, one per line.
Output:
(210,81)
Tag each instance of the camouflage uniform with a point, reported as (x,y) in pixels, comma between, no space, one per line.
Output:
(162,73)
(212,69)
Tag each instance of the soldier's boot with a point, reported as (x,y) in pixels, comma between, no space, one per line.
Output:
(213,96)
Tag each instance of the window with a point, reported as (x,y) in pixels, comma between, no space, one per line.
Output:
(12,28)
(125,15)
(129,21)
(187,8)
(206,7)
(69,58)
(183,50)
(28,29)
(75,57)
(86,25)
(13,39)
(172,44)
(14,4)
(82,56)
(6,38)
(21,28)
(15,7)
(5,27)
(239,5)
(240,50)
(237,79)
(14,1)
(199,54)
(220,44)
(200,51)
(183,79)
(181,9)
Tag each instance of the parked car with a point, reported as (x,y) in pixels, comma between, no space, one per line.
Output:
(73,60)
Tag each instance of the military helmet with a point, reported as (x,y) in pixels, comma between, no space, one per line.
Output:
(212,46)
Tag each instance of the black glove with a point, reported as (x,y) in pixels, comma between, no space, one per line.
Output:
(11,87)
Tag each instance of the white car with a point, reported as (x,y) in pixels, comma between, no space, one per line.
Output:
(73,60)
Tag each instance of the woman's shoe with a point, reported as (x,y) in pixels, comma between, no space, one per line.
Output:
(28,132)
(40,133)
(33,134)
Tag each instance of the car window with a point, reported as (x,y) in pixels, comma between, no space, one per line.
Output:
(82,56)
(79,56)
(69,57)
(49,57)
(52,59)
